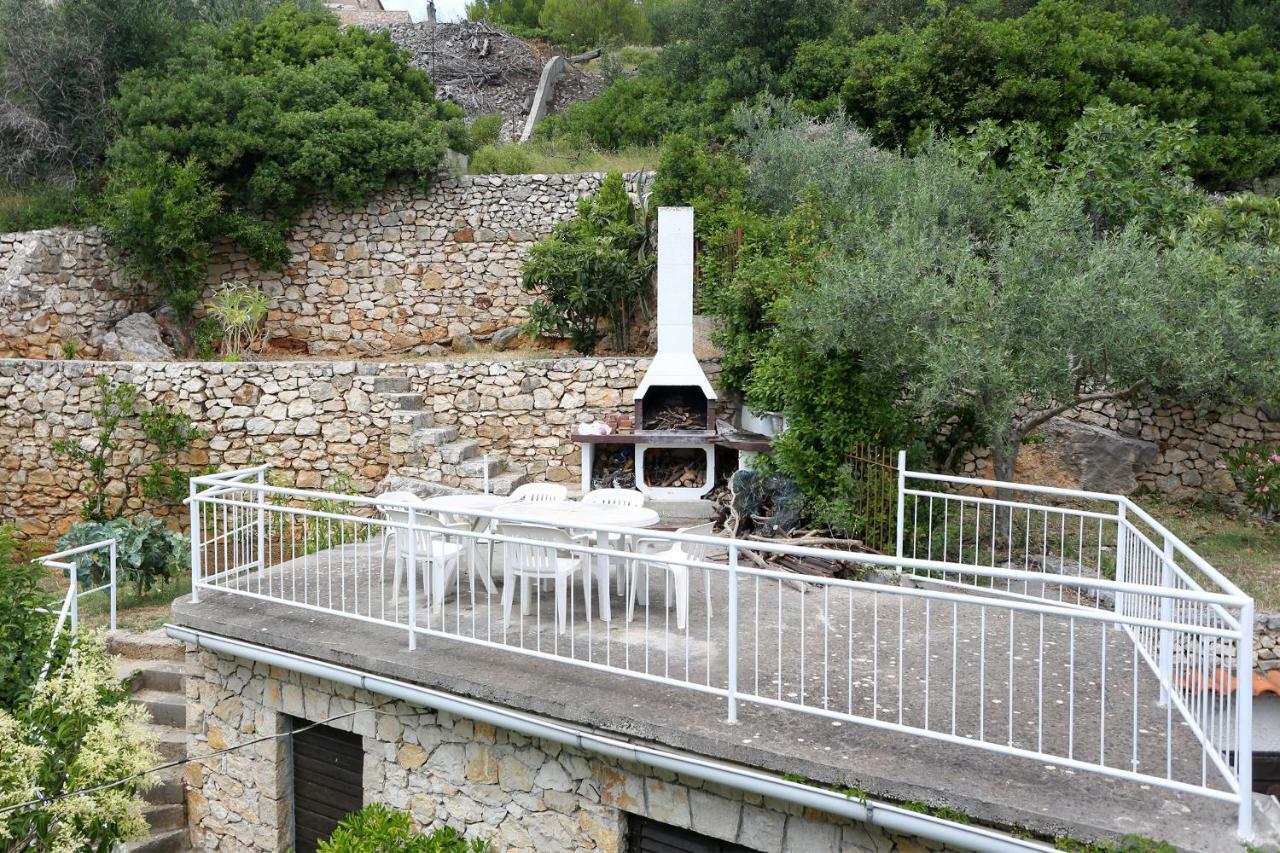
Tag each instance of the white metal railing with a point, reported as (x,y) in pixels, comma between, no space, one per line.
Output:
(1049,662)
(1190,626)
(69,613)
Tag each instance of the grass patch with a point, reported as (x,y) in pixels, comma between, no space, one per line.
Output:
(1238,545)
(133,612)
(543,157)
(41,206)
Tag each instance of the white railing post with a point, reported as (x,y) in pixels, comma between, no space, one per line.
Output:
(733,633)
(194,507)
(1122,551)
(411,572)
(75,596)
(111,590)
(262,523)
(1166,616)
(1244,720)
(902,504)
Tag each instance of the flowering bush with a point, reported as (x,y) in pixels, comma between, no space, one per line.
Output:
(1257,472)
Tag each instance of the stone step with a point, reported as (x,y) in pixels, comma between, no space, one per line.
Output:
(494,463)
(169,841)
(171,742)
(435,436)
(392,384)
(506,482)
(164,817)
(167,675)
(152,645)
(169,790)
(404,401)
(415,418)
(166,709)
(459,451)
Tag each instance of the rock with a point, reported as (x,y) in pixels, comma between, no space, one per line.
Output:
(173,331)
(1097,459)
(462,343)
(503,339)
(136,338)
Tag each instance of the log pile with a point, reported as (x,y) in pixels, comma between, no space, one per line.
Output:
(613,467)
(675,468)
(676,416)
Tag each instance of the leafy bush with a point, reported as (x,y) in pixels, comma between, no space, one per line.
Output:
(239,310)
(77,732)
(518,16)
(166,433)
(633,111)
(1243,218)
(1256,471)
(239,131)
(24,632)
(510,159)
(593,267)
(41,205)
(1061,56)
(148,554)
(378,829)
(486,130)
(581,24)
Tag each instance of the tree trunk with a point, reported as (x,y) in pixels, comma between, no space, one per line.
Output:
(1004,459)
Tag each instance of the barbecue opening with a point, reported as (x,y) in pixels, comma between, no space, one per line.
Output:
(674,407)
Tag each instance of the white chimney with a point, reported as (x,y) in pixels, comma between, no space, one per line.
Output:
(675,364)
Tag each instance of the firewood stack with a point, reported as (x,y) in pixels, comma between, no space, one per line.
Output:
(676,416)
(676,468)
(615,470)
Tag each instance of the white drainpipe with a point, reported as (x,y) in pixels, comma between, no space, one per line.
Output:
(885,815)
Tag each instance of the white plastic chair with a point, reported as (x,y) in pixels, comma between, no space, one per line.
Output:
(437,557)
(615,497)
(540,493)
(534,563)
(661,554)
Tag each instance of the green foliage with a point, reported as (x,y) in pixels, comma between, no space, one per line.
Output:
(582,24)
(1256,471)
(378,829)
(77,732)
(164,432)
(239,309)
(519,16)
(1243,218)
(486,130)
(24,632)
(510,159)
(233,136)
(592,267)
(41,205)
(633,111)
(1126,844)
(557,156)
(696,175)
(148,554)
(1049,64)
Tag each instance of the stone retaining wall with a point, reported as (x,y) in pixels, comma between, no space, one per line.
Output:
(314,421)
(405,272)
(520,794)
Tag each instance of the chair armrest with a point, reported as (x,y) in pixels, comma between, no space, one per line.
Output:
(652,544)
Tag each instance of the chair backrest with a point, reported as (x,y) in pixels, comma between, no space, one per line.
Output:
(697,550)
(614,497)
(527,559)
(540,493)
(422,519)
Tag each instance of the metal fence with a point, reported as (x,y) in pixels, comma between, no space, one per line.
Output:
(69,613)
(1093,664)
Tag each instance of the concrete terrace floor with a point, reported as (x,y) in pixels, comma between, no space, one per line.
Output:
(861,652)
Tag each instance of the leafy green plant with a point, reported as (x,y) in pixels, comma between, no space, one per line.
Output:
(246,126)
(165,432)
(206,336)
(378,829)
(509,159)
(486,130)
(70,349)
(148,554)
(239,309)
(24,631)
(78,731)
(41,205)
(581,24)
(592,268)
(1256,470)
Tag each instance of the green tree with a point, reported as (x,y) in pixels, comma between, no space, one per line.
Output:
(580,24)
(594,267)
(25,634)
(236,134)
(522,14)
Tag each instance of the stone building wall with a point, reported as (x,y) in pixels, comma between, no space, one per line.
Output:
(403,273)
(520,794)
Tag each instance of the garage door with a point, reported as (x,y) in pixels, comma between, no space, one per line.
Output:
(328,781)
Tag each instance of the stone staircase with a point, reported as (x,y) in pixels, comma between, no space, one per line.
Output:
(438,454)
(153,667)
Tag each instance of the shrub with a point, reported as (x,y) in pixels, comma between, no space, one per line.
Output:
(510,159)
(1061,56)
(77,732)
(593,267)
(148,554)
(239,310)
(24,632)
(1243,218)
(166,433)
(1256,471)
(633,111)
(519,16)
(235,135)
(580,24)
(378,829)
(42,205)
(486,130)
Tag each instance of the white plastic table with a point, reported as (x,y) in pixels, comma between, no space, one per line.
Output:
(570,514)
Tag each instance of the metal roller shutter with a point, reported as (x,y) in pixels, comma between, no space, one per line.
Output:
(328,781)
(650,836)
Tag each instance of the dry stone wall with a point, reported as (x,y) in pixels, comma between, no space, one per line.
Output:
(406,272)
(519,794)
